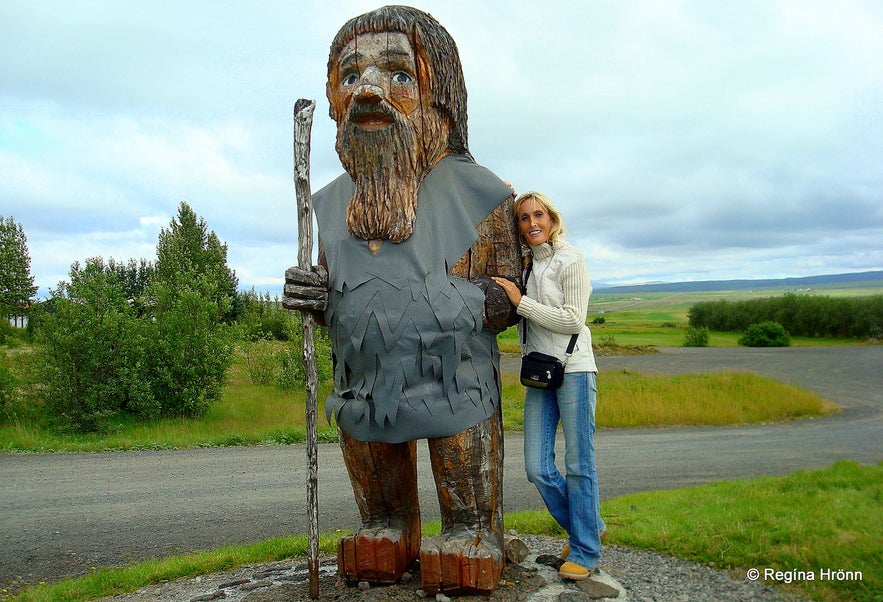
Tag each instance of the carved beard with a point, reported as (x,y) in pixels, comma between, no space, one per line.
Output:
(387,167)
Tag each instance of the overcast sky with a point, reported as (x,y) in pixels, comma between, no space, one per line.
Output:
(681,140)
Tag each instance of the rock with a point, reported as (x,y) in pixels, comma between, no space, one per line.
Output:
(597,590)
(213,596)
(550,560)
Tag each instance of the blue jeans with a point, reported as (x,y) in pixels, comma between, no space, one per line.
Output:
(572,499)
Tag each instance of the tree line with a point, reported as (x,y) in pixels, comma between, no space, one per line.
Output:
(800,314)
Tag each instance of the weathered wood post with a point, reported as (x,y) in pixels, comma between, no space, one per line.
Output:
(303,122)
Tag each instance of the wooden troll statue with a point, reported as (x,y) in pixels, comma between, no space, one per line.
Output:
(408,238)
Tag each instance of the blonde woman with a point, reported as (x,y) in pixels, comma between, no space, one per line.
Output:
(553,308)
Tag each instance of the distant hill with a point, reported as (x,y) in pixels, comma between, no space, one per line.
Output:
(730,285)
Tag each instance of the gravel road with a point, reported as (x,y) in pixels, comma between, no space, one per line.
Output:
(62,514)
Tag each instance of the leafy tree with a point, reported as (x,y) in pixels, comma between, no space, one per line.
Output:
(194,293)
(189,350)
(188,252)
(16,282)
(134,276)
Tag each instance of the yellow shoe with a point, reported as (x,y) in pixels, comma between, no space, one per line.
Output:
(574,572)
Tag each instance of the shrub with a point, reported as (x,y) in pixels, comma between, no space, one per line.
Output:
(598,320)
(696,337)
(8,387)
(18,384)
(89,342)
(262,317)
(765,334)
(291,373)
(260,362)
(291,369)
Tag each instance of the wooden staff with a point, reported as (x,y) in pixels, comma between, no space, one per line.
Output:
(303,122)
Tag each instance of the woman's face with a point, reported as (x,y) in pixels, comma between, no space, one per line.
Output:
(534,223)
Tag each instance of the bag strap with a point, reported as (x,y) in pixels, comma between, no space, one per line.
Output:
(569,351)
(570,346)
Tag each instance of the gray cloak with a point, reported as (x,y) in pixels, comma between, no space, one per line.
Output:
(411,360)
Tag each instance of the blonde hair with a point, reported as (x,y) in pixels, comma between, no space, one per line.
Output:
(557,230)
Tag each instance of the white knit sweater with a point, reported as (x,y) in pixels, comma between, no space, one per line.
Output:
(556,304)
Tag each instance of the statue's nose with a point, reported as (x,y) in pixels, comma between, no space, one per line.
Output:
(368,93)
(370,86)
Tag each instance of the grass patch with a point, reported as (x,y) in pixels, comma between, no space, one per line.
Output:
(808,521)
(251,414)
(629,399)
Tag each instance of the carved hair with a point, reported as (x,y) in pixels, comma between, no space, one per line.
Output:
(557,229)
(438,63)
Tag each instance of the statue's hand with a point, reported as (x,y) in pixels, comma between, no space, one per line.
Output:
(499,313)
(306,289)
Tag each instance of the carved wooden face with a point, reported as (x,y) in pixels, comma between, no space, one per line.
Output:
(388,135)
(376,67)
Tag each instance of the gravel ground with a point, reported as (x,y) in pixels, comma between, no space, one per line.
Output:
(625,575)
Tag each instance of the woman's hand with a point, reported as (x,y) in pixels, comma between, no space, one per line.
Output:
(512,290)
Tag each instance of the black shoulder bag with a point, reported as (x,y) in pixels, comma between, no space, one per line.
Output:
(539,370)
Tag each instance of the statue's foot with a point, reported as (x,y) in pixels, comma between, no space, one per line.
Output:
(376,555)
(461,563)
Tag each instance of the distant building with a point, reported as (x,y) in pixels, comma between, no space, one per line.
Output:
(18,321)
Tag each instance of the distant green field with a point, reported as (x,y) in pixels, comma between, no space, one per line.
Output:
(660,319)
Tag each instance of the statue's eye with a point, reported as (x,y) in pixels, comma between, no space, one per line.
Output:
(350,79)
(400,77)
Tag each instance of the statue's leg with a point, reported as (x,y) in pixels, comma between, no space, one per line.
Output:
(384,479)
(468,557)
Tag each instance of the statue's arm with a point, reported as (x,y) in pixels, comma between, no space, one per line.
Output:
(496,252)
